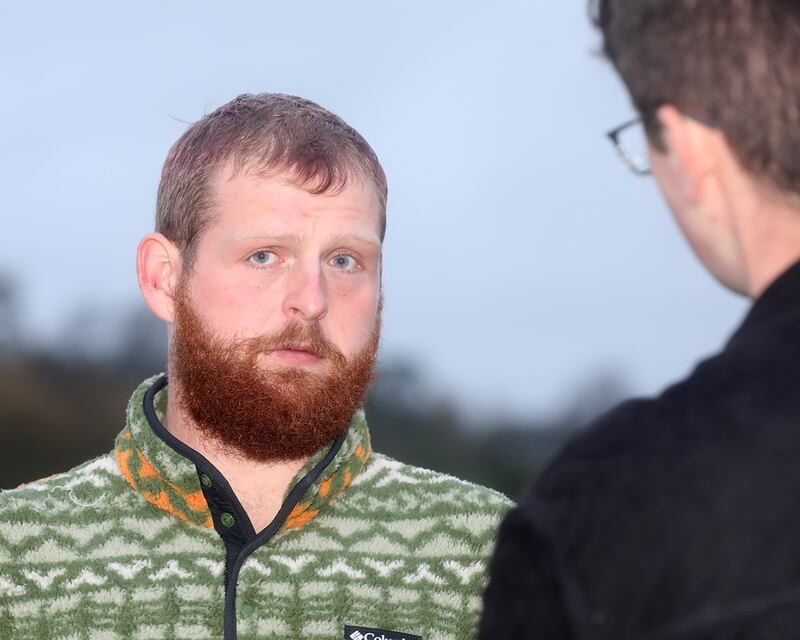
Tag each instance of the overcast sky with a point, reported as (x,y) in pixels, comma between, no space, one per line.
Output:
(522,259)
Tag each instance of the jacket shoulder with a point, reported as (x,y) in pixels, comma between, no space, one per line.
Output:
(385,476)
(54,498)
(441,513)
(397,509)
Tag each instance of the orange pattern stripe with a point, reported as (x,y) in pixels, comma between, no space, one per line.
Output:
(146,470)
(299,508)
(302,513)
(325,488)
(300,519)
(163,502)
(196,501)
(122,462)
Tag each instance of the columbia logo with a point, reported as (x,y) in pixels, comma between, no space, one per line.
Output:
(365,633)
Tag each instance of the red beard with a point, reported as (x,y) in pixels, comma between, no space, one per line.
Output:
(286,413)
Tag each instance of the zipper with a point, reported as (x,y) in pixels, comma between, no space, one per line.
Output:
(295,495)
(237,550)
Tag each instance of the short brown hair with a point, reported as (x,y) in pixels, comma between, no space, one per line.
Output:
(272,134)
(734,62)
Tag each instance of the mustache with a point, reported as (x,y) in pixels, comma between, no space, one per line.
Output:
(296,334)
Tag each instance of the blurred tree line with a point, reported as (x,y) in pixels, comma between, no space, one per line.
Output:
(61,406)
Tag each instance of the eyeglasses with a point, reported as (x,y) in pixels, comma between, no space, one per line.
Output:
(630,143)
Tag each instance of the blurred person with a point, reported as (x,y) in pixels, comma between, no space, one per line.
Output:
(676,516)
(242,498)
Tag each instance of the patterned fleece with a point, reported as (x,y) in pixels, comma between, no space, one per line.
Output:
(135,545)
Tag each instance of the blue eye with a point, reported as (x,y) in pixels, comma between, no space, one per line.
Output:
(344,262)
(262,258)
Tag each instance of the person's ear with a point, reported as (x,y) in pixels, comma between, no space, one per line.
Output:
(691,150)
(158,270)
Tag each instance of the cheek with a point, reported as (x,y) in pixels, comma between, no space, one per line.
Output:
(235,308)
(351,318)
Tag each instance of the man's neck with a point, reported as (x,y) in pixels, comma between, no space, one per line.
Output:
(259,486)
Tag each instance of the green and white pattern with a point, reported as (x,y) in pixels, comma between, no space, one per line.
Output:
(84,555)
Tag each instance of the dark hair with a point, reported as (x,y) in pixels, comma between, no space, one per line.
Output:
(269,134)
(734,62)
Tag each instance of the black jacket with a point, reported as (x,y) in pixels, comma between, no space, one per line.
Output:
(672,518)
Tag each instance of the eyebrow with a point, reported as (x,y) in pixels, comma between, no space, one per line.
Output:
(292,238)
(281,237)
(373,240)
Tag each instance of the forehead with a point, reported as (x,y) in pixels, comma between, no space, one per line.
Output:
(245,202)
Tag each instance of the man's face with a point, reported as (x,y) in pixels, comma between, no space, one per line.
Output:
(277,323)
(276,254)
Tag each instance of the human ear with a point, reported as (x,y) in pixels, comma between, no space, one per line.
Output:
(691,150)
(158,271)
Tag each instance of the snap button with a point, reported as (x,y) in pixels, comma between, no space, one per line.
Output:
(205,480)
(247,609)
(227,519)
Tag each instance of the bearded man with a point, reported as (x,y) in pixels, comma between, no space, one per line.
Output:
(242,499)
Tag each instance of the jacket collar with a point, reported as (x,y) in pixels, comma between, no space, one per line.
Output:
(167,473)
(780,300)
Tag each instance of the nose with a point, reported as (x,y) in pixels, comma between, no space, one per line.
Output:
(307,297)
